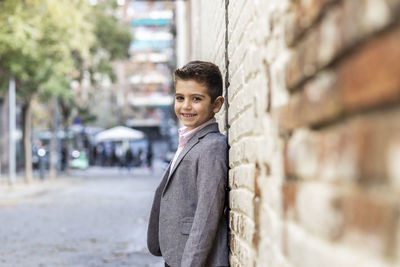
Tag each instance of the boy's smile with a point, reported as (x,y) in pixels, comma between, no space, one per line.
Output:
(193,104)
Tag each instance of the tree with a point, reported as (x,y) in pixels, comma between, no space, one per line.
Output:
(112,41)
(112,35)
(36,42)
(44,42)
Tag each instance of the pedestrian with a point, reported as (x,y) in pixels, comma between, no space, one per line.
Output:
(128,158)
(149,156)
(119,156)
(103,155)
(64,157)
(188,223)
(140,157)
(109,151)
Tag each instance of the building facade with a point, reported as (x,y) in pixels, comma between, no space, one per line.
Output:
(147,94)
(313,123)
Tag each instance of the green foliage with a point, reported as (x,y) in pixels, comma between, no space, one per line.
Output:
(85,115)
(113,38)
(37,39)
(58,86)
(46,44)
(112,35)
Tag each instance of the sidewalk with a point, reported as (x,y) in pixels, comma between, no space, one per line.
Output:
(20,191)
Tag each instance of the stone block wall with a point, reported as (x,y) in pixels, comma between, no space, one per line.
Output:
(313,122)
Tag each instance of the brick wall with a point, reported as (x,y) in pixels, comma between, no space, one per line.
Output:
(313,121)
(208,39)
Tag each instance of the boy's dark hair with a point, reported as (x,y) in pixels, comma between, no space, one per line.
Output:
(205,73)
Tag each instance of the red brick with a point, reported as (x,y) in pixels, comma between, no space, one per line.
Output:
(368,78)
(318,102)
(289,190)
(369,217)
(304,14)
(354,151)
(343,27)
(303,61)
(371,76)
(287,171)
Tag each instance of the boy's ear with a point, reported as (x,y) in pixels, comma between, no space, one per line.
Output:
(218,104)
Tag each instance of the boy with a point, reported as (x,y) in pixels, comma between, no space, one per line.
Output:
(188,224)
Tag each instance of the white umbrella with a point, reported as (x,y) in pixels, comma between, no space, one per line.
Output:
(119,133)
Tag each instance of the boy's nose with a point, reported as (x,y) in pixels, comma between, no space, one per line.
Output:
(186,104)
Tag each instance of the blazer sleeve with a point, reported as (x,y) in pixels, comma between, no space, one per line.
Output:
(211,181)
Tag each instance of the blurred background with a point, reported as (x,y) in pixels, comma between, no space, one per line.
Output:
(86,128)
(78,68)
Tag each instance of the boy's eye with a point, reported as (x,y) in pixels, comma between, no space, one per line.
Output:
(179,98)
(196,98)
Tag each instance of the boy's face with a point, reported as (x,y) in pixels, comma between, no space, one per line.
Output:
(193,104)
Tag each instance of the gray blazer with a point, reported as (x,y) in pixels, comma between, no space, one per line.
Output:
(188,223)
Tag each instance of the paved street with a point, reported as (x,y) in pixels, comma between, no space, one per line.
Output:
(97,217)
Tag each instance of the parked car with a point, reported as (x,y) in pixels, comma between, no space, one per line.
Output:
(79,160)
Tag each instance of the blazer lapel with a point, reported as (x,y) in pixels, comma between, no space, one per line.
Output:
(192,142)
